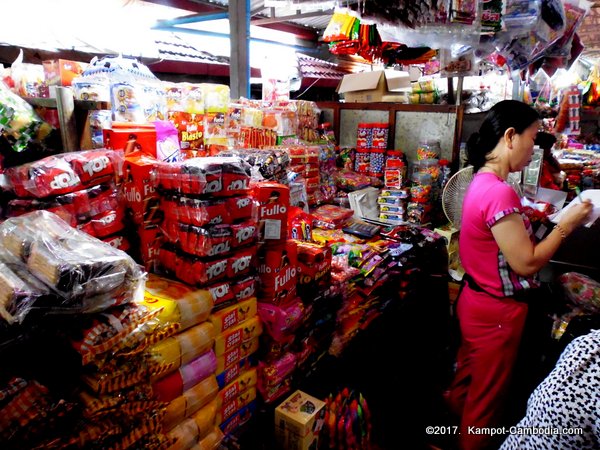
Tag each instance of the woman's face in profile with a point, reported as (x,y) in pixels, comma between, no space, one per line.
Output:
(523,146)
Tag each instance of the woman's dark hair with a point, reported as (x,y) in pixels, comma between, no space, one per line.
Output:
(503,115)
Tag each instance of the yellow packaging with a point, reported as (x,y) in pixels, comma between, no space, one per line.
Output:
(184,347)
(237,386)
(229,409)
(297,422)
(233,337)
(180,303)
(229,317)
(235,355)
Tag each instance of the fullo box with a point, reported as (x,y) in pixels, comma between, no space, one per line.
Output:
(375,86)
(298,422)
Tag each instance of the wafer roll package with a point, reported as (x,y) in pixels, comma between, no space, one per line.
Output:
(74,265)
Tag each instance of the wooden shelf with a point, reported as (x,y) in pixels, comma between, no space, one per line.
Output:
(86,105)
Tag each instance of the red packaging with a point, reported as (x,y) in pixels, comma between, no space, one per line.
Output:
(221,293)
(51,176)
(203,272)
(93,165)
(108,223)
(201,176)
(167,257)
(241,263)
(244,233)
(201,212)
(278,269)
(274,202)
(151,239)
(128,138)
(119,242)
(96,200)
(244,289)
(200,241)
(236,176)
(190,128)
(240,208)
(139,190)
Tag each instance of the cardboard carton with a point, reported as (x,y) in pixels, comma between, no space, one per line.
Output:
(298,422)
(376,86)
(62,71)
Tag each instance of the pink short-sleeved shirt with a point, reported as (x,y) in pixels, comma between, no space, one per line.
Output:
(488,199)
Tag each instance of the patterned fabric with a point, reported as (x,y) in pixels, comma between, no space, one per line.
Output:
(565,403)
(489,199)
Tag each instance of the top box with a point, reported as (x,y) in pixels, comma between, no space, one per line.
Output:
(376,86)
(60,72)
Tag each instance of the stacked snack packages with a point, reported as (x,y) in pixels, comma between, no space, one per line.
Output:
(210,231)
(55,273)
(188,388)
(371,142)
(308,121)
(305,161)
(394,197)
(80,187)
(425,188)
(279,307)
(134,92)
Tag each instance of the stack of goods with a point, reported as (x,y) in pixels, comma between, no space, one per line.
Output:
(134,92)
(305,163)
(583,295)
(327,167)
(264,124)
(267,164)
(371,143)
(313,338)
(424,92)
(55,270)
(425,188)
(238,329)
(308,120)
(142,207)
(188,389)
(185,110)
(279,306)
(393,205)
(79,187)
(209,228)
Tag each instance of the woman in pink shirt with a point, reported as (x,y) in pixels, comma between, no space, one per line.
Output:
(501,259)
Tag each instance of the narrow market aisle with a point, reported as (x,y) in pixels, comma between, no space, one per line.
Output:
(399,364)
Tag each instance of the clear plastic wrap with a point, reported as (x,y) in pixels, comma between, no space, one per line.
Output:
(85,273)
(64,173)
(221,177)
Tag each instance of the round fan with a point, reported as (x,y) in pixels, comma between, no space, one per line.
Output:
(454,193)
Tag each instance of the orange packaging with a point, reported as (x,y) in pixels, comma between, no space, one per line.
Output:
(60,72)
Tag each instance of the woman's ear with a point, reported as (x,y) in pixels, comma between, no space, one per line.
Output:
(509,134)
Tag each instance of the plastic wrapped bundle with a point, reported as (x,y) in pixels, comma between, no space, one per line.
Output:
(65,173)
(85,272)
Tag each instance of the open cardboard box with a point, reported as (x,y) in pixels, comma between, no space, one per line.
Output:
(376,86)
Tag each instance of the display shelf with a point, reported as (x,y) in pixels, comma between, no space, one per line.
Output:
(68,109)
(86,105)
(394,114)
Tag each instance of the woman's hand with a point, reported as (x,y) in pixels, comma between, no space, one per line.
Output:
(576,215)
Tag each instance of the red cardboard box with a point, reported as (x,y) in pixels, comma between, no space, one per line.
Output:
(274,203)
(140,194)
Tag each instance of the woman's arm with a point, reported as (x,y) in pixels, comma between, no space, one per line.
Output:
(525,257)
